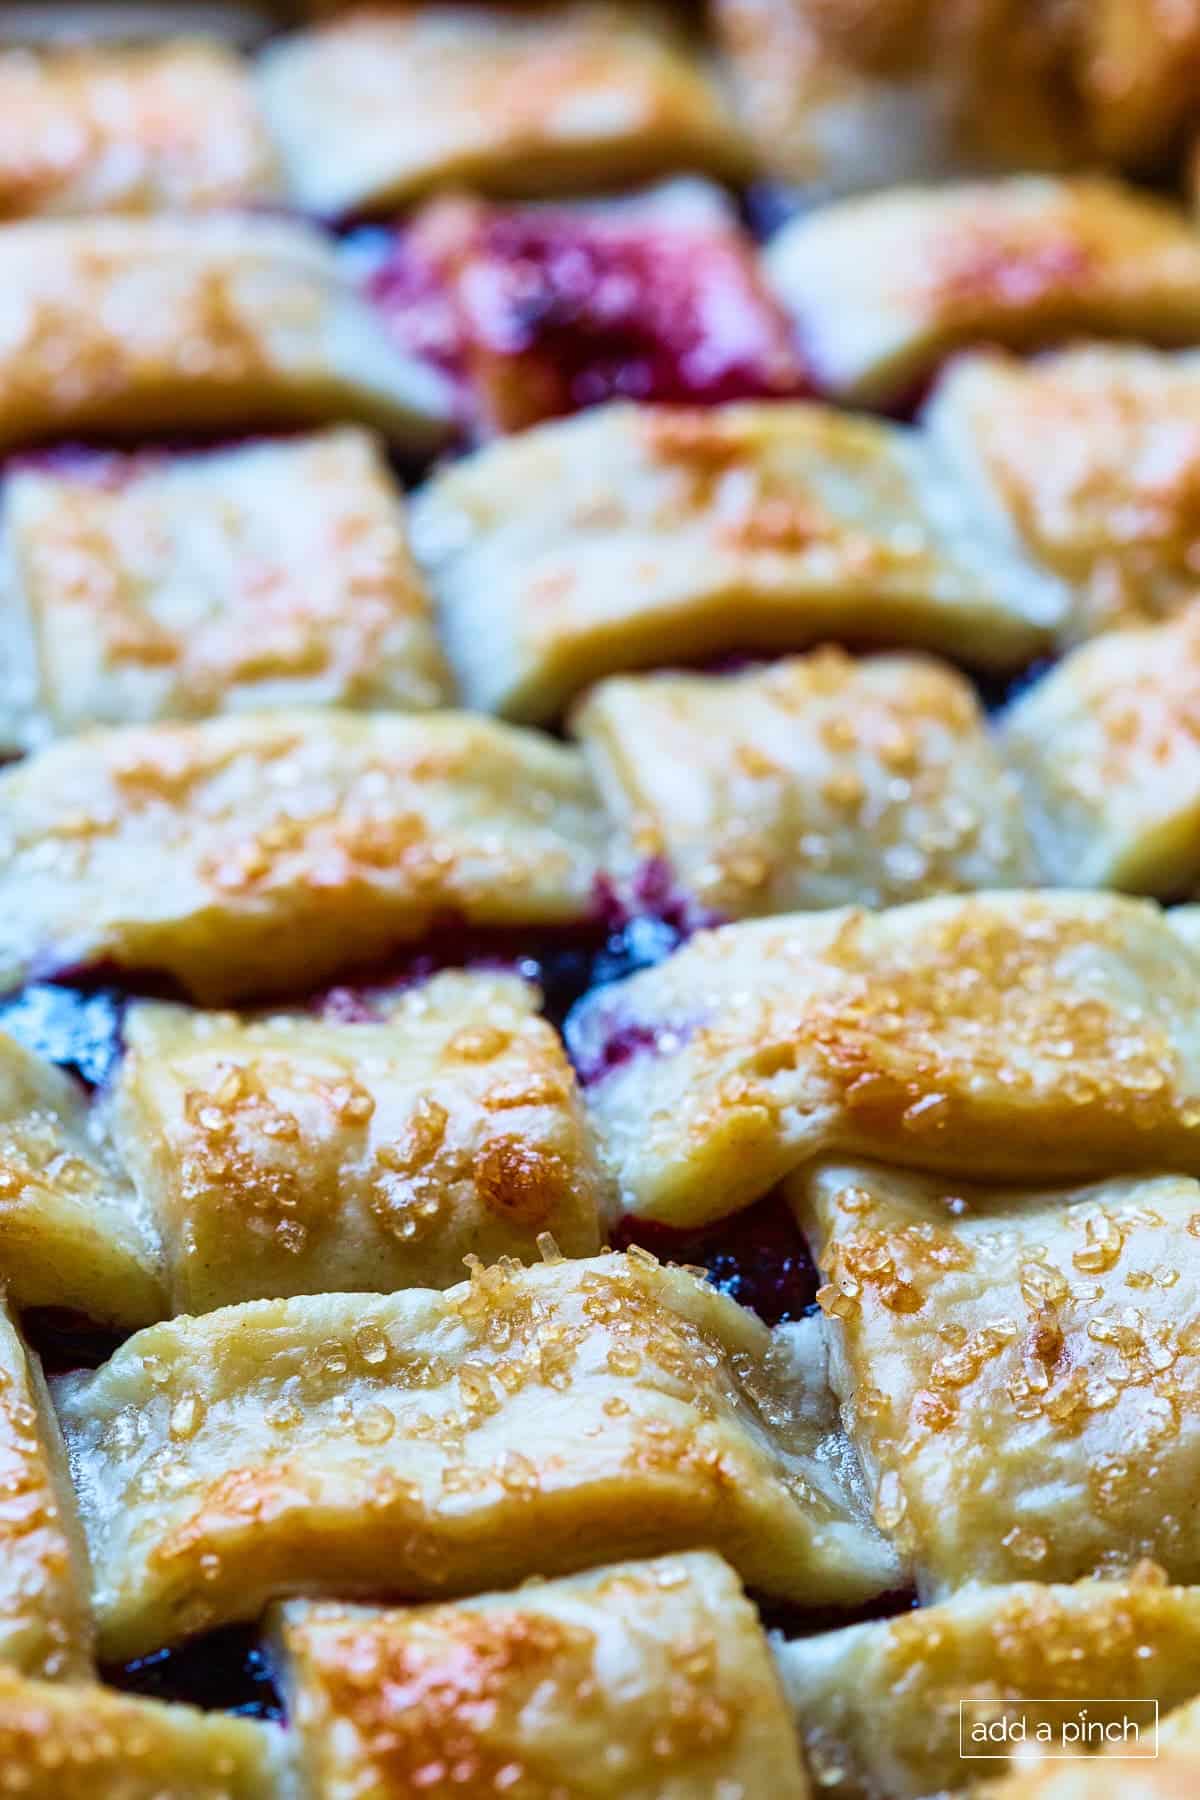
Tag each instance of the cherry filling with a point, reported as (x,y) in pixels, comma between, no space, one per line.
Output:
(226,1671)
(66,1341)
(566,965)
(547,310)
(618,1047)
(999,691)
(75,1017)
(807,1621)
(111,462)
(600,1036)
(758,1257)
(559,960)
(566,962)
(404,279)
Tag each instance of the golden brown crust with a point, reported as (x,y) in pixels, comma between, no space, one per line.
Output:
(845,95)
(1136,69)
(647,1681)
(817,781)
(1017,1370)
(83,1742)
(883,288)
(1090,459)
(264,854)
(127,327)
(72,1235)
(171,127)
(1032,1035)
(272,575)
(529,1421)
(1172,1774)
(636,535)
(372,111)
(287,1154)
(878,1704)
(45,1628)
(1169,1777)
(1107,751)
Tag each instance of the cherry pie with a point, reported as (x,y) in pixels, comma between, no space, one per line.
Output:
(599,899)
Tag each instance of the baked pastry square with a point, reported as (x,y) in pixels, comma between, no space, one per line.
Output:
(529,1421)
(72,1234)
(631,535)
(883,288)
(814,782)
(128,327)
(45,1629)
(1135,68)
(262,855)
(82,1742)
(647,1681)
(1090,460)
(843,98)
(289,1154)
(268,575)
(1033,1036)
(878,1704)
(1172,1774)
(167,127)
(1017,1370)
(372,111)
(838,99)
(1107,753)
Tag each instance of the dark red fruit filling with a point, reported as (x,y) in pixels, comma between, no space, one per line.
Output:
(562,962)
(407,284)
(112,462)
(566,964)
(223,1672)
(549,311)
(758,1257)
(998,691)
(617,1048)
(601,1037)
(807,1621)
(75,1020)
(653,894)
(626,932)
(671,315)
(66,1340)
